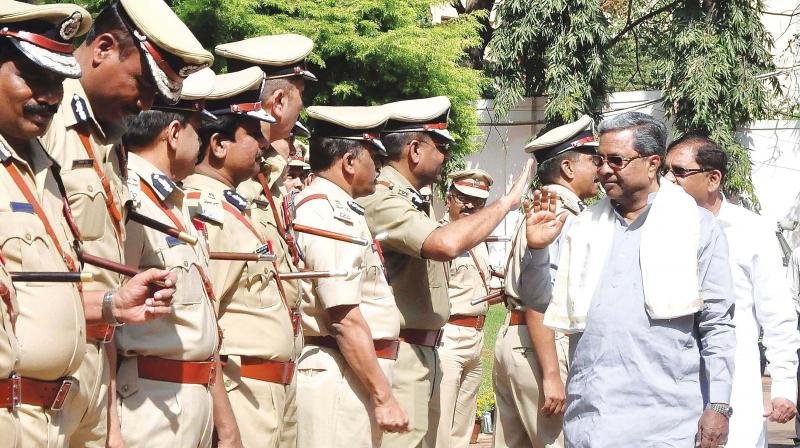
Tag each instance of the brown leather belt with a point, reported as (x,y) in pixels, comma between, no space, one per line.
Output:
(475,322)
(174,371)
(47,394)
(426,338)
(278,372)
(99,333)
(384,348)
(517,318)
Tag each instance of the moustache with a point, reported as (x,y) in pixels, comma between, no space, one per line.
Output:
(40,109)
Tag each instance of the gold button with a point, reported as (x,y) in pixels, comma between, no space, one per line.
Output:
(28,236)
(90,188)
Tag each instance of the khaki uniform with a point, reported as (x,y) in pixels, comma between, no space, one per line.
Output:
(517,375)
(160,413)
(255,320)
(50,328)
(9,353)
(455,401)
(420,290)
(334,408)
(87,198)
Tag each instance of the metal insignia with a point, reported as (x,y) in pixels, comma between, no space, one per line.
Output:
(5,154)
(68,29)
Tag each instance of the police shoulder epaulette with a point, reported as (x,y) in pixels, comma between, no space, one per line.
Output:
(134,189)
(206,206)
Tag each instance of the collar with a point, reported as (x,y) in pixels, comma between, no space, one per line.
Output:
(163,186)
(569,200)
(205,183)
(330,189)
(394,176)
(39,158)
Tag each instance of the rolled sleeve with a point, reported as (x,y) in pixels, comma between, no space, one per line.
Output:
(407,227)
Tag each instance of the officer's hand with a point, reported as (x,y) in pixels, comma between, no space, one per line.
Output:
(514,195)
(712,430)
(391,417)
(780,410)
(140,299)
(542,226)
(555,397)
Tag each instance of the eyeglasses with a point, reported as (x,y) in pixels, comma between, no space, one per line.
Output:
(441,147)
(464,199)
(614,162)
(685,172)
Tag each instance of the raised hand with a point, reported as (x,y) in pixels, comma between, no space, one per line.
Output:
(542,226)
(514,195)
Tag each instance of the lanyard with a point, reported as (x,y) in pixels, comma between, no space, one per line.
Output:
(480,270)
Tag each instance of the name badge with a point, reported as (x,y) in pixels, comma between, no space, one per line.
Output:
(82,163)
(22,207)
(172,241)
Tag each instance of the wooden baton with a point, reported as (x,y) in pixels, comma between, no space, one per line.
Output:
(161,227)
(52,277)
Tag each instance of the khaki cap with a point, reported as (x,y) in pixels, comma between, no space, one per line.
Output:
(349,123)
(279,56)
(171,50)
(239,93)
(196,88)
(299,130)
(44,33)
(472,182)
(423,115)
(564,138)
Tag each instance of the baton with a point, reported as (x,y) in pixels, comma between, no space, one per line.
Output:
(497,239)
(498,274)
(55,277)
(487,298)
(242,256)
(311,274)
(161,227)
(113,266)
(332,235)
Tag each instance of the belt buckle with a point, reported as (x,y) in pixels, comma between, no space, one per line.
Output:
(16,390)
(212,373)
(480,322)
(61,395)
(108,336)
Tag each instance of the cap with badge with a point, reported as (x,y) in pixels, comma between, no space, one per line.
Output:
(423,115)
(171,50)
(569,137)
(474,183)
(279,56)
(299,130)
(196,88)
(238,93)
(350,123)
(44,33)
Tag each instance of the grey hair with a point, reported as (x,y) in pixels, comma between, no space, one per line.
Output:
(650,137)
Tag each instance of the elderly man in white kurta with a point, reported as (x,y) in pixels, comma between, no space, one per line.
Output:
(645,290)
(762,295)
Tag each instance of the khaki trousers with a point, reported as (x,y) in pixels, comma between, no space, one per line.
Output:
(259,407)
(416,371)
(162,414)
(517,378)
(454,401)
(87,411)
(42,428)
(334,408)
(289,432)
(9,429)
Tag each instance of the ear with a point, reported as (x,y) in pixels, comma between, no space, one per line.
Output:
(415,151)
(714,180)
(279,100)
(349,163)
(173,131)
(654,167)
(104,47)
(568,169)
(218,146)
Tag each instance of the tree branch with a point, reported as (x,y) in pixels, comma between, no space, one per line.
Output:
(641,19)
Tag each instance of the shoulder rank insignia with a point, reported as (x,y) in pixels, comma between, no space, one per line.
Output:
(236,200)
(80,109)
(341,212)
(356,207)
(163,185)
(412,195)
(134,189)
(5,154)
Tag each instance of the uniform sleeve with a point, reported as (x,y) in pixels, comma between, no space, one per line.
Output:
(714,321)
(776,314)
(406,226)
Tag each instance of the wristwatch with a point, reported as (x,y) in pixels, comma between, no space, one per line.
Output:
(721,408)
(108,309)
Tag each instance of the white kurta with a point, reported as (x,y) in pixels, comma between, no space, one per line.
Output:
(762,299)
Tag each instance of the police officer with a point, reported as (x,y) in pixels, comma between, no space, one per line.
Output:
(36,233)
(135,50)
(174,360)
(351,323)
(529,382)
(454,403)
(295,179)
(256,321)
(417,248)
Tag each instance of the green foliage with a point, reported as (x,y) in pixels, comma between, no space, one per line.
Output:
(717,52)
(553,48)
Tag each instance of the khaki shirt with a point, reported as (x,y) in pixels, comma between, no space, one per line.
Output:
(50,327)
(253,317)
(467,284)
(364,286)
(419,285)
(85,192)
(567,201)
(9,349)
(190,333)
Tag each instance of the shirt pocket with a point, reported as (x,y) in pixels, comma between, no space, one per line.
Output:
(262,285)
(87,200)
(25,243)
(179,260)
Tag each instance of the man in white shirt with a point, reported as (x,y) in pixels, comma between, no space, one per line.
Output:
(762,295)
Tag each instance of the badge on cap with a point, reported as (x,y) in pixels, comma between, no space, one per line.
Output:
(163,185)
(236,199)
(80,109)
(68,29)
